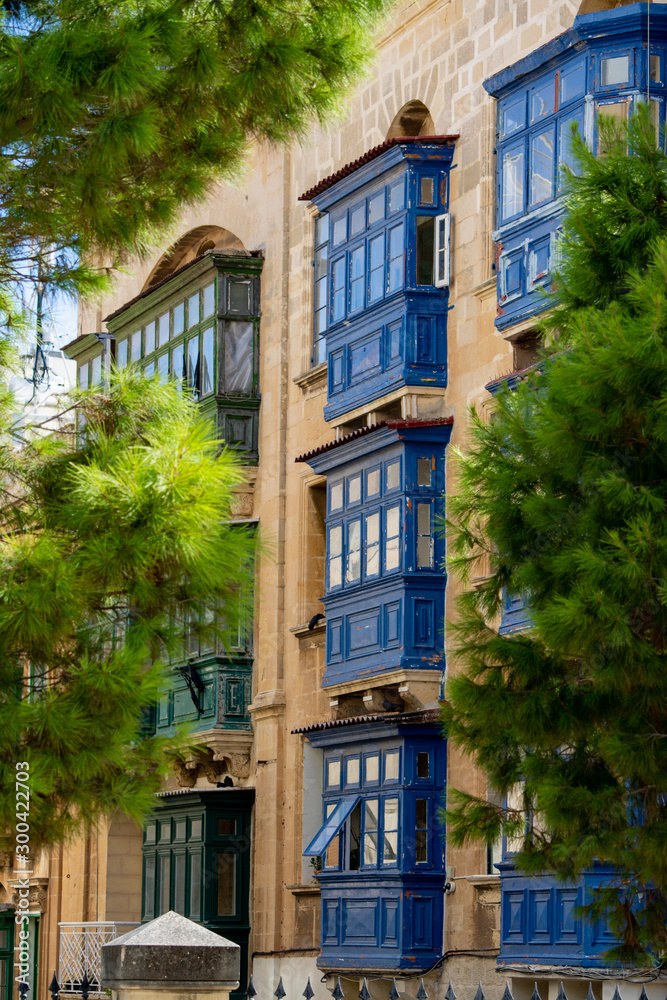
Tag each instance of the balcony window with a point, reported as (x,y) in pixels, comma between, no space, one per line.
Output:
(532,150)
(381,846)
(205,338)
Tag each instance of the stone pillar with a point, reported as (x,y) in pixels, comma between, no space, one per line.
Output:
(170,958)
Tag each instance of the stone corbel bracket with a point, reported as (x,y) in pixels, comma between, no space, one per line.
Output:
(220,754)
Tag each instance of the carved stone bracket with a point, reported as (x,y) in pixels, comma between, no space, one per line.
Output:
(223,754)
(37,894)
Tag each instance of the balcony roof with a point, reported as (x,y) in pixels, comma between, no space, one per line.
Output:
(426,716)
(372,154)
(361,431)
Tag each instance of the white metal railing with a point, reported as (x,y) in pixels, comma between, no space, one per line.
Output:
(80,951)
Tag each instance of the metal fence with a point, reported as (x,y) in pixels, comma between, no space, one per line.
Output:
(80,955)
(393,992)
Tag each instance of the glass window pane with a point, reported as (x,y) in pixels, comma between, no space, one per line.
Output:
(358,219)
(135,346)
(396,258)
(426,191)
(655,69)
(332,856)
(425,246)
(149,885)
(423,472)
(96,370)
(397,196)
(321,258)
(354,489)
(333,773)
(565,151)
(512,182)
(390,848)
(121,354)
(207,380)
(421,814)
(149,370)
(373,483)
(423,764)
(542,101)
(335,571)
(542,167)
(572,83)
(322,228)
(177,363)
(239,293)
(393,475)
(390,814)
(340,230)
(513,116)
(226,884)
(336,497)
(391,758)
(209,300)
(372,768)
(226,827)
(373,544)
(338,282)
(163,367)
(376,283)
(357,278)
(423,518)
(193,372)
(352,771)
(179,322)
(393,521)
(195,886)
(370,854)
(165,870)
(179,883)
(193,310)
(353,573)
(615,71)
(424,552)
(336,540)
(373,528)
(239,361)
(376,208)
(149,338)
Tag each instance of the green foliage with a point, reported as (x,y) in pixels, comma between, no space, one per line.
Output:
(115,546)
(565,494)
(113,115)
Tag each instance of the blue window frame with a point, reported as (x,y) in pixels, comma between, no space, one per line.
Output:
(321,286)
(534,134)
(357,278)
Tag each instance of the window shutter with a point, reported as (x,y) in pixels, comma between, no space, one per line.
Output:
(442,254)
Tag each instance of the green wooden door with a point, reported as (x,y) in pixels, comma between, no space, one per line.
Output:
(6,955)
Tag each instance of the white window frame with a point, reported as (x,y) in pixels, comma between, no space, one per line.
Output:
(442,250)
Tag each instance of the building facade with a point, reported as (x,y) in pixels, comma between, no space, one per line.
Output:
(336,313)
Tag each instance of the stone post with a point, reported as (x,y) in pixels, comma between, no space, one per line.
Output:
(170,958)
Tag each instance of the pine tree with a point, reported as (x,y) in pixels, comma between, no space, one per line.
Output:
(564,494)
(116,546)
(115,114)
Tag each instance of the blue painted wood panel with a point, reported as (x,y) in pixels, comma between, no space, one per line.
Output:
(539,922)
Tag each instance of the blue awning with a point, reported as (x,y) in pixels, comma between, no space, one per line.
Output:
(331,826)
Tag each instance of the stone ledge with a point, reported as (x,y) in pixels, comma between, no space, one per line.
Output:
(311,377)
(303,632)
(304,890)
